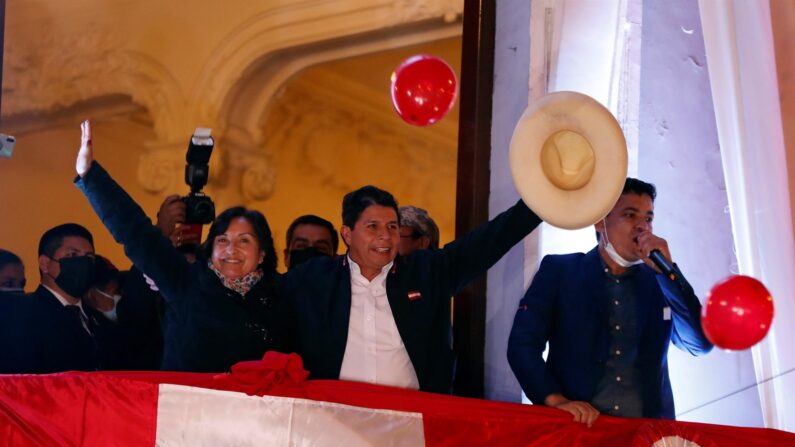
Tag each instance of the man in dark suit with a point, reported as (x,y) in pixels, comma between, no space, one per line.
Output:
(609,316)
(15,354)
(418,231)
(373,316)
(309,236)
(12,273)
(64,332)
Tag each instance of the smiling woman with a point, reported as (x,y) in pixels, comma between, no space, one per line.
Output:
(222,309)
(239,242)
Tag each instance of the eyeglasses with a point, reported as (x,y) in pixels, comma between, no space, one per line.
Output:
(415,234)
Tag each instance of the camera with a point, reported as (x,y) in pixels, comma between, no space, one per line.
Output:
(199,208)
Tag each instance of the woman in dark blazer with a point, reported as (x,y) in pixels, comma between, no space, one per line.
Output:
(222,309)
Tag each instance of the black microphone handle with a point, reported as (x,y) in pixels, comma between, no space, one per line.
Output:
(659,260)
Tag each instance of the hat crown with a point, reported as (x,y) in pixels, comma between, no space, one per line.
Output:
(567,159)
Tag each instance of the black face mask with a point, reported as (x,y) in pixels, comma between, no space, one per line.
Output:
(76,276)
(12,290)
(300,255)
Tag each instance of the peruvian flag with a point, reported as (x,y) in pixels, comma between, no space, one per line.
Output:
(270,403)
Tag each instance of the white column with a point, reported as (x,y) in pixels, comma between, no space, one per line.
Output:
(505,279)
(528,64)
(572,38)
(741,61)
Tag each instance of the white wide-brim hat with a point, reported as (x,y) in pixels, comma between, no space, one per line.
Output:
(569,159)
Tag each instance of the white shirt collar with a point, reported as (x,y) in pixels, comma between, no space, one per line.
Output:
(374,351)
(63,300)
(358,278)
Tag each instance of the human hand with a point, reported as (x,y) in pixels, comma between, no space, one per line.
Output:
(171,213)
(186,235)
(582,411)
(85,156)
(648,242)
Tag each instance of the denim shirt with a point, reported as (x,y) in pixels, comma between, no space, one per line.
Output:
(618,390)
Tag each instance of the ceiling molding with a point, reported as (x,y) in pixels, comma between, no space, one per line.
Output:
(244,107)
(89,55)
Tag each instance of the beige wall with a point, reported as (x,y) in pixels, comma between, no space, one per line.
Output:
(37,189)
(294,131)
(328,131)
(329,135)
(783,19)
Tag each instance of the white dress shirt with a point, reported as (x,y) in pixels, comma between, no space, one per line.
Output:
(375,352)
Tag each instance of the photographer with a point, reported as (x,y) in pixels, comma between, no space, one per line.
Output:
(227,303)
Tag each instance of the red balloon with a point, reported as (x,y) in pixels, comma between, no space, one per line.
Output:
(423,89)
(738,313)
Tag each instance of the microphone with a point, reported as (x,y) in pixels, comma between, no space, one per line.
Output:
(659,260)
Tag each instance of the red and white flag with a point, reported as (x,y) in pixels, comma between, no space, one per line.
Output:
(269,403)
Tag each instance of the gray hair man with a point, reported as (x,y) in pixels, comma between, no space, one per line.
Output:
(417,230)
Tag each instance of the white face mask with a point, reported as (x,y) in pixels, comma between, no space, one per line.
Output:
(110,314)
(613,254)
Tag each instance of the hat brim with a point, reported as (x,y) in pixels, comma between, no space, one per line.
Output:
(577,208)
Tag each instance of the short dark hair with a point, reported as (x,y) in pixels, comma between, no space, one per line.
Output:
(261,230)
(7,257)
(355,202)
(105,272)
(639,187)
(311,219)
(52,239)
(635,186)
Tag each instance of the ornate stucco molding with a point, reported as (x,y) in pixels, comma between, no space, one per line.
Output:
(53,73)
(313,132)
(413,10)
(237,169)
(57,70)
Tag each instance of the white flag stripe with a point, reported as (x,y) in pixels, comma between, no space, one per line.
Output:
(189,416)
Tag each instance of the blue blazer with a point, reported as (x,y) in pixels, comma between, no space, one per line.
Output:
(567,306)
(418,287)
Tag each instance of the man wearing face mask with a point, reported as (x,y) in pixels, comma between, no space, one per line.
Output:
(14,316)
(104,298)
(308,237)
(12,273)
(65,331)
(107,290)
(608,316)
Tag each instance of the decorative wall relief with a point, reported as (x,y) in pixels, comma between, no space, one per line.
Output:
(345,147)
(161,171)
(53,64)
(411,10)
